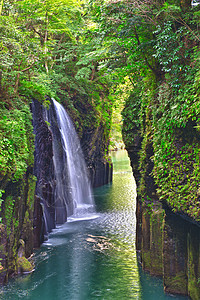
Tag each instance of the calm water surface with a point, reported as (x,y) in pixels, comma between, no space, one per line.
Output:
(95,257)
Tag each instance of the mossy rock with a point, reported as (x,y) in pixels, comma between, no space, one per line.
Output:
(24,266)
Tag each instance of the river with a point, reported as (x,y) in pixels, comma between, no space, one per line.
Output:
(95,257)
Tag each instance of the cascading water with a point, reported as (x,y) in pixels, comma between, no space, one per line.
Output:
(73,195)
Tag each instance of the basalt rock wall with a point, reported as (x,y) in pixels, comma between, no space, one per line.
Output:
(17,224)
(44,172)
(165,154)
(94,147)
(169,247)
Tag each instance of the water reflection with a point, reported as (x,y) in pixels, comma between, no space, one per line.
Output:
(94,258)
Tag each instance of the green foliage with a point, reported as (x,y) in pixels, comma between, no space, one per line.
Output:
(16,143)
(35,90)
(30,34)
(31,191)
(49,50)
(156,44)
(119,95)
(176,150)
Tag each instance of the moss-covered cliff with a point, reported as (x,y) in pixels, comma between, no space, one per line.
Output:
(17,183)
(164,147)
(161,116)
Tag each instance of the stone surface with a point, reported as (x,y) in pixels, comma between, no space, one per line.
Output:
(24,266)
(44,171)
(169,246)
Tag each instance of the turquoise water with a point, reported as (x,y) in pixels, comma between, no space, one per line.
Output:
(93,258)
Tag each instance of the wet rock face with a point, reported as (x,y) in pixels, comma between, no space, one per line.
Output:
(17,217)
(101,174)
(169,247)
(150,239)
(44,171)
(93,133)
(94,146)
(133,153)
(175,256)
(194,263)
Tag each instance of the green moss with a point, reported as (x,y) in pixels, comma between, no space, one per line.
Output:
(170,155)
(31,191)
(9,214)
(193,289)
(176,284)
(152,239)
(146,260)
(24,266)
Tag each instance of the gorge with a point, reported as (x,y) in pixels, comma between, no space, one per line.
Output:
(96,257)
(110,230)
(127,75)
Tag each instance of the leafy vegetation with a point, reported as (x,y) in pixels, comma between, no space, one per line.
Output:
(47,50)
(97,56)
(15,143)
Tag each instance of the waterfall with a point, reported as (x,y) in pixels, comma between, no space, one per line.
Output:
(63,188)
(73,194)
